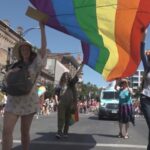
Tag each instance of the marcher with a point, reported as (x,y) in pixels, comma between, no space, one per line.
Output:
(145,93)
(24,107)
(125,112)
(67,97)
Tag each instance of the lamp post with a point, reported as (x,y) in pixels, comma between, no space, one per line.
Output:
(26,31)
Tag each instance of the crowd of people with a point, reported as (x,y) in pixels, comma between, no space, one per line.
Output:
(90,105)
(46,106)
(64,100)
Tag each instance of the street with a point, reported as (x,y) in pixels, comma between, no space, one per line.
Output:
(87,134)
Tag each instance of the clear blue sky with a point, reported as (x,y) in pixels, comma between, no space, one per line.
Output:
(14,11)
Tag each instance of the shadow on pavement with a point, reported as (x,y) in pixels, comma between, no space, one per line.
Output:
(48,141)
(108,135)
(107,119)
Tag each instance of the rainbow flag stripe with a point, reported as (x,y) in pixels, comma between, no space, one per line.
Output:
(110,31)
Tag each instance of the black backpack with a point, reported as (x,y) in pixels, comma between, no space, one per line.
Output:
(19,83)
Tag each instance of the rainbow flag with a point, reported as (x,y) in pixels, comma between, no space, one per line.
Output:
(41,90)
(74,118)
(110,31)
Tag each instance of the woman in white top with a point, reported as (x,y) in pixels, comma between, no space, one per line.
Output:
(27,105)
(145,94)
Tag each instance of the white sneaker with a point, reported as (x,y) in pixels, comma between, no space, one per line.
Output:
(58,135)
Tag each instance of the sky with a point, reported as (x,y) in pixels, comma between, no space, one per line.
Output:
(14,11)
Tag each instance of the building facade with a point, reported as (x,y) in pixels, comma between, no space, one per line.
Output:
(136,79)
(8,38)
(58,63)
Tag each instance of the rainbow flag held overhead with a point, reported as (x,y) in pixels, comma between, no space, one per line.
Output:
(110,31)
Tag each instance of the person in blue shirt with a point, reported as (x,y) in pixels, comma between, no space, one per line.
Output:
(125,106)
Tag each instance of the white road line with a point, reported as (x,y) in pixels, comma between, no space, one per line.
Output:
(84,144)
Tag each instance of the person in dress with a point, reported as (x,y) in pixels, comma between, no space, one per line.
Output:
(24,107)
(125,112)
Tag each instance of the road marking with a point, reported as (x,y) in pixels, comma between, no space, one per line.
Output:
(84,144)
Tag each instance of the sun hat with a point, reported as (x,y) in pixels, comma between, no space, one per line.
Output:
(15,51)
(124,81)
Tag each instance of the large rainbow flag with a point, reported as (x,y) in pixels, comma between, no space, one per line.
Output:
(110,30)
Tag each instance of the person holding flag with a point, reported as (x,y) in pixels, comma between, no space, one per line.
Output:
(67,97)
(24,106)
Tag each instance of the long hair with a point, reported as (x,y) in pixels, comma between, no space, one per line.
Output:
(65,78)
(32,55)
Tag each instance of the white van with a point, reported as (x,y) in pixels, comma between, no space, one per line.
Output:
(109,101)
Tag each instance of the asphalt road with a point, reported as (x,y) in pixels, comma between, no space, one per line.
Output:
(87,134)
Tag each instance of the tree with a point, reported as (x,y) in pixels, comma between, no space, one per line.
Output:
(89,91)
(137,92)
(49,90)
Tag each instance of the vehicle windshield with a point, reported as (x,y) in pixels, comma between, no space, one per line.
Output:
(110,95)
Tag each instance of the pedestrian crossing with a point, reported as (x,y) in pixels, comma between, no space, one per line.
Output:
(65,143)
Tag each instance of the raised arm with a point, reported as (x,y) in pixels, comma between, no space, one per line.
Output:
(76,76)
(43,40)
(142,50)
(143,57)
(79,70)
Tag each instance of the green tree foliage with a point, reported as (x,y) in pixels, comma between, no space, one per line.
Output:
(137,92)
(89,91)
(49,90)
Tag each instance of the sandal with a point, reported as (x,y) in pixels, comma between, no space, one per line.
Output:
(120,135)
